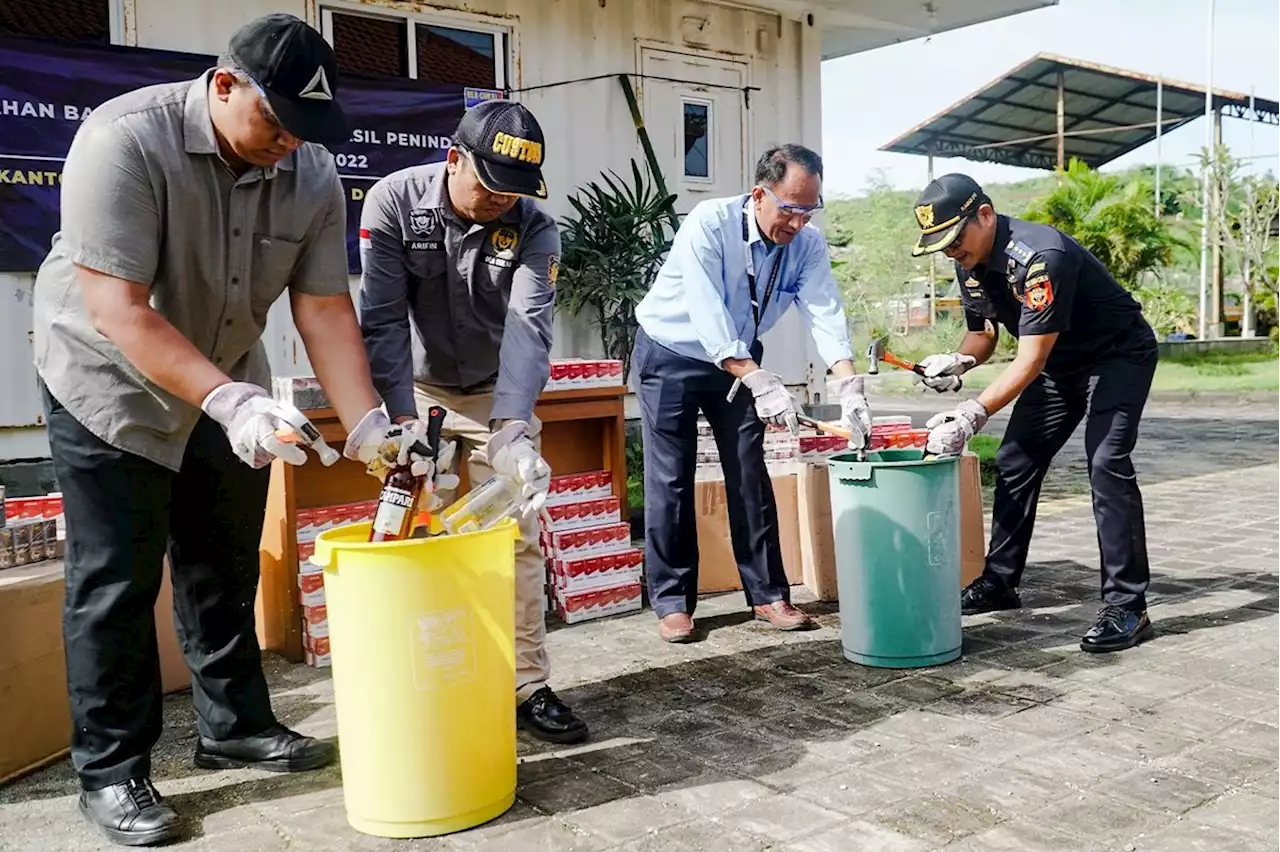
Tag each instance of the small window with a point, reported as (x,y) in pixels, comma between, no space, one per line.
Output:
(697,136)
(372,46)
(447,55)
(392,45)
(66,20)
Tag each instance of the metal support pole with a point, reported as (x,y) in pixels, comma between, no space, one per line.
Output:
(933,268)
(1246,298)
(1159,127)
(1217,319)
(1062,141)
(1204,214)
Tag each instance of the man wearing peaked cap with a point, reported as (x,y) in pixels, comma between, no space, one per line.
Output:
(461,252)
(149,313)
(1085,352)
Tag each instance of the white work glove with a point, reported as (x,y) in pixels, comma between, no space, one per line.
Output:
(942,372)
(855,414)
(246,413)
(773,401)
(511,453)
(382,446)
(949,432)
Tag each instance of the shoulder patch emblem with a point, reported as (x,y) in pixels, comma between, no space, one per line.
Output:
(1036,267)
(1040,296)
(553,269)
(924,215)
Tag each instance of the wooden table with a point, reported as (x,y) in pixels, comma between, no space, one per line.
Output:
(582,430)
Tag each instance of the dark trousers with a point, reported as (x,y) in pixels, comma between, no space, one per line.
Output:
(1111,395)
(122,513)
(672,389)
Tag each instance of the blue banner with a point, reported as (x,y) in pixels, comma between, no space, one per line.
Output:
(48,87)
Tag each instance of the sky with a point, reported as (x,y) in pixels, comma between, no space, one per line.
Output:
(870,98)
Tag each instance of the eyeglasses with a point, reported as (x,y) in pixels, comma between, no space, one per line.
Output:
(470,158)
(955,241)
(793,209)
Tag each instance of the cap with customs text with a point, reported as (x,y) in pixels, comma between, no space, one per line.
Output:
(297,71)
(943,208)
(506,145)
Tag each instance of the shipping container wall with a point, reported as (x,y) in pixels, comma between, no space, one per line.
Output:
(588,126)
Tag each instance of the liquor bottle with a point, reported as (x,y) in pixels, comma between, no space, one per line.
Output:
(402,491)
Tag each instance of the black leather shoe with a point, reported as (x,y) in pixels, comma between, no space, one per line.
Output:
(1117,628)
(277,749)
(545,716)
(131,813)
(986,595)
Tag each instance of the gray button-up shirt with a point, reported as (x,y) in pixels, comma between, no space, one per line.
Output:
(480,295)
(146,198)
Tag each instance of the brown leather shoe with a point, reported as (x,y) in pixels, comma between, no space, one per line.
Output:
(783,616)
(676,627)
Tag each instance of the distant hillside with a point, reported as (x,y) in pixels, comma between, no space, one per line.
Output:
(874,232)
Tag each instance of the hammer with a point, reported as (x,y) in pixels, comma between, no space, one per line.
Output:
(876,352)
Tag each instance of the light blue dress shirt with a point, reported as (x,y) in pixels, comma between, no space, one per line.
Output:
(700,304)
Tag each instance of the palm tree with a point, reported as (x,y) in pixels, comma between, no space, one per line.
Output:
(1114,221)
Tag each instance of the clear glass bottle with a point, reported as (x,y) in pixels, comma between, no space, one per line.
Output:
(483,506)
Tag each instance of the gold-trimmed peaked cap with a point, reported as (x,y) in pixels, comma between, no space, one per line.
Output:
(943,207)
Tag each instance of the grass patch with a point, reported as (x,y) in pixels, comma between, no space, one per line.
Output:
(985,447)
(1220,372)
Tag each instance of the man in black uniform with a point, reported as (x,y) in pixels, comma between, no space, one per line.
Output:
(1084,351)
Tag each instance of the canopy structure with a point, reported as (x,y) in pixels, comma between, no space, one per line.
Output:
(1050,108)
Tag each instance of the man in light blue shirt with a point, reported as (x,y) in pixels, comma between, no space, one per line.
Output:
(736,265)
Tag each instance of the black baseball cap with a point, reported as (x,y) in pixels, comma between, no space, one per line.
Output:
(506,145)
(298,71)
(942,209)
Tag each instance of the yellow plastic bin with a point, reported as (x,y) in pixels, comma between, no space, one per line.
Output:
(422,637)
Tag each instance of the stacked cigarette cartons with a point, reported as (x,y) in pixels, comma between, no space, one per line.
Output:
(896,433)
(304,392)
(315,617)
(592,570)
(31,530)
(780,445)
(578,373)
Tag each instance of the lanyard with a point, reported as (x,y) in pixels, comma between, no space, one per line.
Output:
(758,307)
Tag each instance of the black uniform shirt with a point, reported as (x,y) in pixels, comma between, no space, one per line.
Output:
(1039,280)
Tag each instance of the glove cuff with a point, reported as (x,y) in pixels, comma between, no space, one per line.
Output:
(359,447)
(976,411)
(222,402)
(849,385)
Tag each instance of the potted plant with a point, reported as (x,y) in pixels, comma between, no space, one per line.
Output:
(611,250)
(612,247)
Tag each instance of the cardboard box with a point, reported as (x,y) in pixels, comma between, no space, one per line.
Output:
(35,717)
(717,567)
(817,531)
(973,536)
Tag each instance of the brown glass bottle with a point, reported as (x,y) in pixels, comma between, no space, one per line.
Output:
(397,511)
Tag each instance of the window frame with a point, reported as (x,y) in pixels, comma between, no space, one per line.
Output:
(503,36)
(710,177)
(118,20)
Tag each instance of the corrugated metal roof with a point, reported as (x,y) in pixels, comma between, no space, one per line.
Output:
(1107,112)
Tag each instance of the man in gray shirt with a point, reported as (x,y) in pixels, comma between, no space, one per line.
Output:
(459,251)
(187,210)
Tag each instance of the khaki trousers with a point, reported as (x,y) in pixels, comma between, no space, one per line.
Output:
(467,422)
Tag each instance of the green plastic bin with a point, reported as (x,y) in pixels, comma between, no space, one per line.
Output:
(897,542)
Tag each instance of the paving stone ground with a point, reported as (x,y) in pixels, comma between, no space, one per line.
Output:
(754,740)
